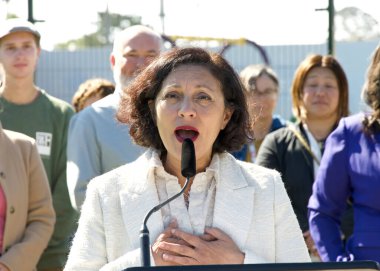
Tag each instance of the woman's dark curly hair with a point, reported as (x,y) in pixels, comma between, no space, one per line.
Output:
(371,94)
(134,106)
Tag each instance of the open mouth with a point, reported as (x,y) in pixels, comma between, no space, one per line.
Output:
(182,133)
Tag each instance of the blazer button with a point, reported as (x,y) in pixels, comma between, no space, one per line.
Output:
(12,210)
(2,174)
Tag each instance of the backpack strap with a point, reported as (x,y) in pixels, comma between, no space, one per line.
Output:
(303,142)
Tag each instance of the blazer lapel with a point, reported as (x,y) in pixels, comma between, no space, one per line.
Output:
(137,197)
(230,214)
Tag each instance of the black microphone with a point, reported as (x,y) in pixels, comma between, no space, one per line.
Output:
(188,170)
(188,159)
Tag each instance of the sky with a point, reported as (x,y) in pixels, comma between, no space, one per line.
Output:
(263,21)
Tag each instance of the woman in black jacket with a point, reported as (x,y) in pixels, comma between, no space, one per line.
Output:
(320,100)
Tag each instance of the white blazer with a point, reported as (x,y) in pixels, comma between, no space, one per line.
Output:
(251,206)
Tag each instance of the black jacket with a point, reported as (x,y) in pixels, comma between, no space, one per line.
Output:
(283,151)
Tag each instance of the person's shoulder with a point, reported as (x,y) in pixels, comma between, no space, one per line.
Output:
(92,112)
(19,139)
(283,133)
(85,114)
(353,123)
(354,120)
(13,135)
(260,177)
(56,103)
(124,175)
(254,174)
(108,102)
(278,122)
(257,170)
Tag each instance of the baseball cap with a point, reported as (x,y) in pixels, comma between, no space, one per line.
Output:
(18,25)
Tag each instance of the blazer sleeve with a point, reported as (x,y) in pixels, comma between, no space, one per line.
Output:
(286,240)
(130,259)
(290,244)
(327,203)
(25,254)
(89,252)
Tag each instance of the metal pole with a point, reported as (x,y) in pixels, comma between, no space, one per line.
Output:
(107,24)
(162,15)
(30,11)
(331,41)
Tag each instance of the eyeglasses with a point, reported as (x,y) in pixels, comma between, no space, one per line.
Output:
(265,93)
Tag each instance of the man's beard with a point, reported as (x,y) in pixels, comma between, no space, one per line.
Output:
(122,81)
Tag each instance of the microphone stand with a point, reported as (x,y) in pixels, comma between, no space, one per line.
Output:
(188,170)
(144,232)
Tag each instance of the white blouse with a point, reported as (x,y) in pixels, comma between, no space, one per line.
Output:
(199,213)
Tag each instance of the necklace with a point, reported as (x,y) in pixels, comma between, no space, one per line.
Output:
(186,196)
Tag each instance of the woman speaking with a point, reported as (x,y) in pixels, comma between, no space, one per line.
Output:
(232,212)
